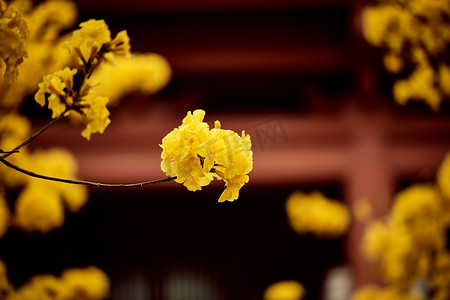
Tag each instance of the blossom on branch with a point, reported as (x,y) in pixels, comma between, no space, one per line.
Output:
(13,36)
(195,155)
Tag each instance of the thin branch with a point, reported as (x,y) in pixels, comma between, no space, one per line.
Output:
(31,138)
(83,182)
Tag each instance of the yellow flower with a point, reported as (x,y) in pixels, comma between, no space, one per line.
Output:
(4,216)
(443,177)
(194,154)
(47,19)
(39,206)
(440,276)
(96,114)
(13,37)
(60,87)
(231,157)
(120,46)
(94,38)
(179,153)
(42,287)
(88,283)
(284,290)
(89,39)
(38,209)
(405,244)
(376,21)
(376,240)
(59,162)
(419,85)
(316,214)
(444,78)
(392,62)
(146,73)
(416,33)
(84,101)
(14,129)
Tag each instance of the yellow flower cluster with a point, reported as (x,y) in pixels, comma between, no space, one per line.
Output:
(415,33)
(93,43)
(284,290)
(13,37)
(76,284)
(40,206)
(146,73)
(45,53)
(195,155)
(404,245)
(314,213)
(411,243)
(94,38)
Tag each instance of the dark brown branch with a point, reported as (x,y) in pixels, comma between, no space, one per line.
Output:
(31,138)
(83,182)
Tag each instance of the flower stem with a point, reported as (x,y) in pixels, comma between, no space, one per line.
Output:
(31,138)
(83,182)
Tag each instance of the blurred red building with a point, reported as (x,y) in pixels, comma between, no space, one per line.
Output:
(299,78)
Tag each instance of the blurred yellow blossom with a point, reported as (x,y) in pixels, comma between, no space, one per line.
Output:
(443,177)
(4,217)
(14,129)
(419,85)
(410,244)
(14,35)
(195,154)
(316,214)
(49,18)
(38,209)
(415,34)
(42,287)
(75,284)
(147,73)
(392,62)
(89,283)
(284,290)
(39,206)
(440,276)
(59,162)
(45,52)
(404,243)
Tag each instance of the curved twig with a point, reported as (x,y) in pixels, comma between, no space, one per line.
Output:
(83,182)
(31,138)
